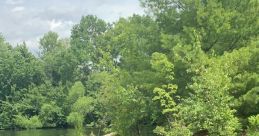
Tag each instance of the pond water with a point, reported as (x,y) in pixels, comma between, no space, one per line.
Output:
(45,132)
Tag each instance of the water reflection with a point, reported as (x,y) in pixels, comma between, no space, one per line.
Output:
(45,132)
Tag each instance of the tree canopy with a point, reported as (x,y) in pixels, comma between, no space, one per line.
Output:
(187,67)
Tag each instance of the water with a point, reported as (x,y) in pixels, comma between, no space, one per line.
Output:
(45,132)
(62,132)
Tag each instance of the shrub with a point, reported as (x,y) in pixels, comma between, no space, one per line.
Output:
(253,129)
(28,123)
(51,115)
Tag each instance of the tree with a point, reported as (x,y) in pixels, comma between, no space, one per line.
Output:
(19,70)
(51,115)
(84,42)
(224,25)
(28,123)
(49,42)
(189,67)
(81,106)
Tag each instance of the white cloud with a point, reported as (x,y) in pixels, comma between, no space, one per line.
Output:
(18,9)
(27,20)
(53,24)
(13,2)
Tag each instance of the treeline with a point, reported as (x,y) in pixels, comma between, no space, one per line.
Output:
(189,67)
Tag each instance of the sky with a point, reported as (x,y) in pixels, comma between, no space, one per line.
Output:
(28,20)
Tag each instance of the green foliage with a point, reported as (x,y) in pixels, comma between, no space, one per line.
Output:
(51,115)
(89,28)
(161,64)
(253,125)
(224,25)
(165,98)
(126,108)
(19,69)
(49,42)
(6,114)
(208,108)
(28,123)
(76,92)
(76,119)
(176,130)
(190,67)
(83,105)
(122,106)
(60,65)
(85,39)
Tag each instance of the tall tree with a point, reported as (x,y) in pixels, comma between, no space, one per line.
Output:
(224,25)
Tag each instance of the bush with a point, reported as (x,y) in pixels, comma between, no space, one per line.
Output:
(176,129)
(253,129)
(76,92)
(76,119)
(83,105)
(28,123)
(51,115)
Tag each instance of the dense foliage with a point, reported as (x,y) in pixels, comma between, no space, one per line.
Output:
(189,67)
